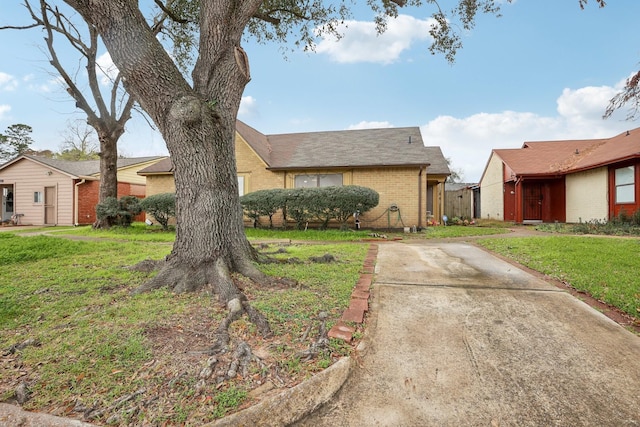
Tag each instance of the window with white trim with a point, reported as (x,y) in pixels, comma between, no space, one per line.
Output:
(37,197)
(625,185)
(318,180)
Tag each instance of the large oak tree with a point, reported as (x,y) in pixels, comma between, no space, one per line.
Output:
(197,115)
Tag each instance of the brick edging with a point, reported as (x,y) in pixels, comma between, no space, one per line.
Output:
(359,303)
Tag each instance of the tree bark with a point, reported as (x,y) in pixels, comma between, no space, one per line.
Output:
(108,168)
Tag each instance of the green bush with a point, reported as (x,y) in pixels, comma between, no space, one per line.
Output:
(301,205)
(161,206)
(304,205)
(345,201)
(262,203)
(119,212)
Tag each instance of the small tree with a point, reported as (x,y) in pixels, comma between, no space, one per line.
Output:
(79,143)
(161,206)
(15,141)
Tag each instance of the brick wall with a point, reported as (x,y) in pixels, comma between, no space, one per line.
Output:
(398,188)
(158,184)
(88,199)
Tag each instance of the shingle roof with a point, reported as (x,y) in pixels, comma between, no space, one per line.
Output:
(162,167)
(86,167)
(346,148)
(568,156)
(336,149)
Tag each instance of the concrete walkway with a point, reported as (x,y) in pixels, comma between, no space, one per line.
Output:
(457,337)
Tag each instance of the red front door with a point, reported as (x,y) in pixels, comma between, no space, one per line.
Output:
(532,201)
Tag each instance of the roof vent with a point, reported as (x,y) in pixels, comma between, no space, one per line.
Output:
(409,139)
(577,151)
(628,133)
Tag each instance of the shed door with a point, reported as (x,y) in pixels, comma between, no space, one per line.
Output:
(50,205)
(532,199)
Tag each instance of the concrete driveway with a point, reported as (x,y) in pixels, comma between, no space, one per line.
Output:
(457,337)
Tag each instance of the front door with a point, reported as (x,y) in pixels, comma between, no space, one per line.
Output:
(532,199)
(7,203)
(50,205)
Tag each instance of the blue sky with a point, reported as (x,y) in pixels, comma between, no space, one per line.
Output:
(545,70)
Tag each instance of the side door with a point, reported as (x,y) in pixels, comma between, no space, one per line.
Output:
(50,206)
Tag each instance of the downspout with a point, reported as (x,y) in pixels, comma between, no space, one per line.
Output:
(75,201)
(420,197)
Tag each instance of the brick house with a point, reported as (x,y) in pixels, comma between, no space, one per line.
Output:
(565,181)
(44,191)
(408,176)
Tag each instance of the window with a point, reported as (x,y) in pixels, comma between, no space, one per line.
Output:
(241,185)
(318,180)
(37,197)
(625,185)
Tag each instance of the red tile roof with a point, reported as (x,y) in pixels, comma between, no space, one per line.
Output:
(568,156)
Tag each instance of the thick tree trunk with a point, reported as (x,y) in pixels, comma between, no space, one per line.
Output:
(108,171)
(198,126)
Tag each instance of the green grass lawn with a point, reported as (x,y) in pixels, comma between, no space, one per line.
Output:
(143,233)
(606,268)
(92,342)
(461,231)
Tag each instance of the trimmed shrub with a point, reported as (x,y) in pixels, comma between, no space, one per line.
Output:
(119,212)
(262,203)
(301,205)
(304,205)
(345,201)
(161,206)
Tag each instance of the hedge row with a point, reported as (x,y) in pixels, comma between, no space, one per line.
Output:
(304,205)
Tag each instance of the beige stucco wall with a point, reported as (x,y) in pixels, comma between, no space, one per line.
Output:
(28,177)
(587,196)
(492,190)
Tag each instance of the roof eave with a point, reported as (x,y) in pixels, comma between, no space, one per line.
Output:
(403,165)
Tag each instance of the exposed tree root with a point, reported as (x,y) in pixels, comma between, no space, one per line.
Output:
(321,344)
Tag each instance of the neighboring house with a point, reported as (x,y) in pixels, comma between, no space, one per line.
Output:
(462,200)
(563,181)
(408,176)
(44,191)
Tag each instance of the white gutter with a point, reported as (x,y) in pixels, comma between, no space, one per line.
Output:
(75,201)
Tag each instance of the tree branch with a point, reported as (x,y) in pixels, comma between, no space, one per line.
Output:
(170,14)
(23,27)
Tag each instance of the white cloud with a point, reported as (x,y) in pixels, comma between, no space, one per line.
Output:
(4,109)
(106,69)
(370,125)
(248,107)
(7,82)
(52,85)
(361,43)
(468,141)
